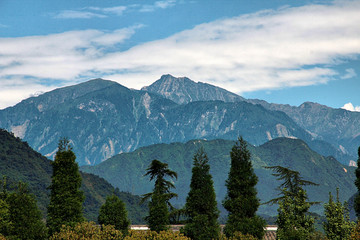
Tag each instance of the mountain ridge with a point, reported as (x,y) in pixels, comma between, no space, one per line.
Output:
(126,170)
(114,119)
(103,118)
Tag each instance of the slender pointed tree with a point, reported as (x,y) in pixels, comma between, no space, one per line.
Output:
(159,204)
(201,205)
(66,199)
(357,184)
(338,225)
(241,200)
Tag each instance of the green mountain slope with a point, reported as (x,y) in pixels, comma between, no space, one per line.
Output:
(126,170)
(18,162)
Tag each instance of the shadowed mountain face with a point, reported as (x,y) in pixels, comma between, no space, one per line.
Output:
(126,170)
(18,162)
(102,118)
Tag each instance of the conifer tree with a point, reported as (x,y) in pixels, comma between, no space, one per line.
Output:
(293,220)
(25,216)
(66,200)
(241,200)
(357,184)
(113,212)
(159,204)
(5,222)
(201,205)
(338,225)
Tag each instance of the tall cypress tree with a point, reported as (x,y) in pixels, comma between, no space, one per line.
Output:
(357,184)
(66,200)
(241,201)
(201,205)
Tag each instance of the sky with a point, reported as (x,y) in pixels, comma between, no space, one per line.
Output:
(281,51)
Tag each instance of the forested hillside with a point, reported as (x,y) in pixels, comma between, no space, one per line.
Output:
(18,162)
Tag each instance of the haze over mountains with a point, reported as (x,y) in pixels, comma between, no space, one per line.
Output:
(103,118)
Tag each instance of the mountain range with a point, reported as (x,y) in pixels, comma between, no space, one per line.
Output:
(126,170)
(103,118)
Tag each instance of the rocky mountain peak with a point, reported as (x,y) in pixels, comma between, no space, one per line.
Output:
(183,90)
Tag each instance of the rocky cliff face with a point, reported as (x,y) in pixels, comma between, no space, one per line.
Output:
(105,118)
(183,90)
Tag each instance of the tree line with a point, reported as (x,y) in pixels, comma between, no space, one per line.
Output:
(21,219)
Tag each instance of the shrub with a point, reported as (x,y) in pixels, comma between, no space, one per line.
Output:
(88,231)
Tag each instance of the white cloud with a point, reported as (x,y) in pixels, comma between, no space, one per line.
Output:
(158,5)
(351,107)
(14,89)
(350,73)
(90,12)
(70,14)
(118,10)
(262,51)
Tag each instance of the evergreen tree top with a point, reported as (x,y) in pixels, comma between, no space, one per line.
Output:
(64,145)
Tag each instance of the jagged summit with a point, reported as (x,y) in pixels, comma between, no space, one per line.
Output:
(183,90)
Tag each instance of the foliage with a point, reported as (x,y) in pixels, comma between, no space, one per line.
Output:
(293,219)
(65,207)
(201,205)
(25,216)
(87,231)
(5,222)
(292,182)
(113,212)
(90,231)
(238,236)
(152,235)
(241,200)
(355,233)
(357,184)
(338,225)
(20,217)
(159,204)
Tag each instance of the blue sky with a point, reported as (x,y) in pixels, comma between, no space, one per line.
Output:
(279,51)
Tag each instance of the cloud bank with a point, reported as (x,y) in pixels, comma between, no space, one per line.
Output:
(266,50)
